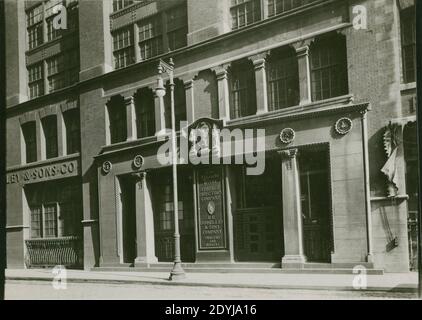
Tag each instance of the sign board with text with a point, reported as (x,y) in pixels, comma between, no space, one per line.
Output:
(211,210)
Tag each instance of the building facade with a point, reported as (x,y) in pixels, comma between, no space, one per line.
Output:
(331,82)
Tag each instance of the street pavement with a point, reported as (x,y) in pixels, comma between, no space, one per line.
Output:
(43,290)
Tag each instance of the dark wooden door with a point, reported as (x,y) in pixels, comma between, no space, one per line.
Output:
(164,216)
(315,201)
(127,197)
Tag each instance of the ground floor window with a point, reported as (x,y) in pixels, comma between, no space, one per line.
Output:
(55,209)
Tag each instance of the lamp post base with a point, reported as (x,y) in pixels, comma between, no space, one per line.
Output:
(177,273)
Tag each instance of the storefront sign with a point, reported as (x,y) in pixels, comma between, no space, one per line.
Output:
(211,224)
(44,173)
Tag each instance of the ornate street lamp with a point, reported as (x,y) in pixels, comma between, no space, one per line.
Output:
(177,272)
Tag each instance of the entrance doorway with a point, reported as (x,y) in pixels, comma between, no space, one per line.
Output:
(315,202)
(128,219)
(258,216)
(412,178)
(164,215)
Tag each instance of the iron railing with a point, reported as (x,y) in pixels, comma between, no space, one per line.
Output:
(50,252)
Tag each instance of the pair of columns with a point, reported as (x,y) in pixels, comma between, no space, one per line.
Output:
(259,62)
(292,215)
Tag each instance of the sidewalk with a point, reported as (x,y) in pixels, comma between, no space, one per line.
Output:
(397,282)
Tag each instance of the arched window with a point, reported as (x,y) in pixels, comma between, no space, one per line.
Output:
(117,117)
(283,79)
(145,113)
(242,89)
(30,138)
(329,67)
(72,123)
(50,135)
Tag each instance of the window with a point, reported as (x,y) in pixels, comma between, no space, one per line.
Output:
(34,19)
(242,89)
(63,70)
(150,37)
(71,120)
(408,43)
(55,209)
(281,6)
(35,80)
(245,12)
(50,135)
(145,113)
(120,4)
(177,27)
(329,67)
(117,117)
(283,80)
(123,51)
(179,103)
(30,137)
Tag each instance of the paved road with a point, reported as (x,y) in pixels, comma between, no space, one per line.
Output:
(44,290)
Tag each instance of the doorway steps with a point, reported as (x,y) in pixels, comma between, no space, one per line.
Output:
(246,267)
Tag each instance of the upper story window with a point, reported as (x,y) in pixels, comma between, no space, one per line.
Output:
(242,89)
(120,4)
(408,43)
(281,6)
(329,67)
(30,140)
(49,124)
(72,124)
(36,80)
(177,27)
(150,37)
(145,113)
(245,12)
(123,48)
(283,79)
(42,16)
(117,119)
(63,70)
(159,33)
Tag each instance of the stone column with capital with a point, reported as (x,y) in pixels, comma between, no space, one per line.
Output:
(144,221)
(304,68)
(130,118)
(261,83)
(292,212)
(223,92)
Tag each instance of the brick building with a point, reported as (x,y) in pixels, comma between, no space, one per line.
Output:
(84,125)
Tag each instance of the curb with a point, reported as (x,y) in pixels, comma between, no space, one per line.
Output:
(402,289)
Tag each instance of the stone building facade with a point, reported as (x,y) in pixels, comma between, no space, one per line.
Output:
(332,83)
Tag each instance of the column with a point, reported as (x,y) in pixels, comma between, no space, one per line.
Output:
(190,104)
(223,92)
(261,83)
(61,134)
(302,53)
(160,120)
(130,118)
(144,221)
(292,212)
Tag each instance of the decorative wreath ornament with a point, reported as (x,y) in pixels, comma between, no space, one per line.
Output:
(138,161)
(107,167)
(287,135)
(343,126)
(211,208)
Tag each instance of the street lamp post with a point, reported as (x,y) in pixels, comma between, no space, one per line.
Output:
(177,272)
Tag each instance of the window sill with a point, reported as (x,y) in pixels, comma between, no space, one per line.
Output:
(407,86)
